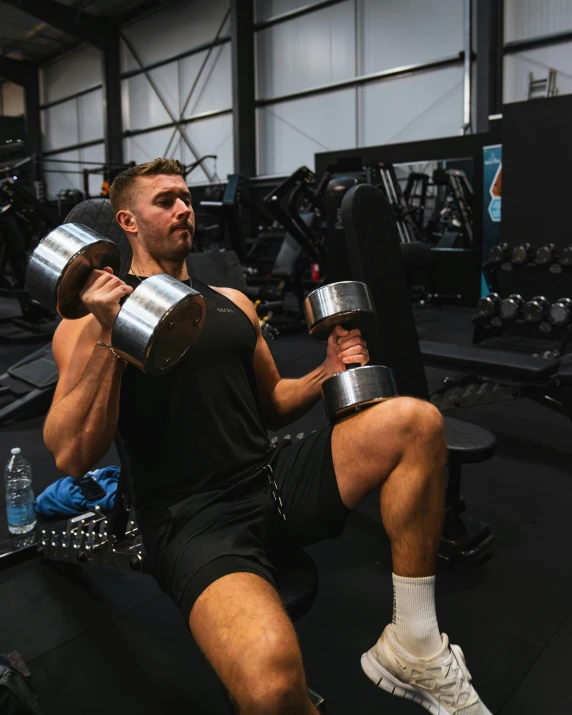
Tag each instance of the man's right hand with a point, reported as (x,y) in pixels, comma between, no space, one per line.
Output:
(102,294)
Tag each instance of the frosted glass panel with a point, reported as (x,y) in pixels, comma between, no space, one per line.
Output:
(208,136)
(141,106)
(405,32)
(266,9)
(60,125)
(90,111)
(11,100)
(290,133)
(538,61)
(211,136)
(315,49)
(214,88)
(148,146)
(76,71)
(93,153)
(174,30)
(421,106)
(56,182)
(531,18)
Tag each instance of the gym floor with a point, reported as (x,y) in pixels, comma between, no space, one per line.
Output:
(98,641)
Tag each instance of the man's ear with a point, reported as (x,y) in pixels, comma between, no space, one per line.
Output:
(126,219)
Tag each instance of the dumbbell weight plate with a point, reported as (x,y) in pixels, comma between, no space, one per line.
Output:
(62,262)
(535,309)
(158,323)
(487,306)
(337,303)
(350,391)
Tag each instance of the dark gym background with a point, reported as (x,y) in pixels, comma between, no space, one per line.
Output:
(267,86)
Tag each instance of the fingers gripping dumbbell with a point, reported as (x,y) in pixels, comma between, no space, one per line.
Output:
(157,323)
(350,304)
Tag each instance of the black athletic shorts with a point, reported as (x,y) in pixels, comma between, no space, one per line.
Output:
(294,499)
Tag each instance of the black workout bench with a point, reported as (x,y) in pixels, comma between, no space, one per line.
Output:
(493,375)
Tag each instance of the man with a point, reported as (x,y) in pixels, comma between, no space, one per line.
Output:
(213,500)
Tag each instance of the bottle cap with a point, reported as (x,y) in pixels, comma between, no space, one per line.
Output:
(15,450)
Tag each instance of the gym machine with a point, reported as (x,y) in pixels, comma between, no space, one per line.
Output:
(376,259)
(297,266)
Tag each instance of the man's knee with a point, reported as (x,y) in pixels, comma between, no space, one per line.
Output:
(417,419)
(415,423)
(273,681)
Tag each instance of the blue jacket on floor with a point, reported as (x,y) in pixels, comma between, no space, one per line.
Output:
(65,498)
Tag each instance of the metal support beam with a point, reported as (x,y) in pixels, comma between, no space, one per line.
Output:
(32,109)
(198,77)
(86,27)
(166,106)
(467,67)
(25,74)
(111,69)
(105,36)
(16,71)
(490,40)
(243,73)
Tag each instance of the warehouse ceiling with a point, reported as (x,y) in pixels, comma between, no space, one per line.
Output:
(23,37)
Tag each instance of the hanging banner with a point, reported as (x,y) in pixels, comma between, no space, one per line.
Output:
(492,201)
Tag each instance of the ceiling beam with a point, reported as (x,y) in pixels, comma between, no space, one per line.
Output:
(87,28)
(16,71)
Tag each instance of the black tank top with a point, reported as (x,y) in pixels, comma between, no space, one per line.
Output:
(200,427)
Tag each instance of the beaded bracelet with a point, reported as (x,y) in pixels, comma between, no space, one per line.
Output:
(108,346)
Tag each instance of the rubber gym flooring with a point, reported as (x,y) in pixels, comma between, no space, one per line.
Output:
(99,641)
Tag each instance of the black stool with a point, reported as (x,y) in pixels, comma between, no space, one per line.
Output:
(464,539)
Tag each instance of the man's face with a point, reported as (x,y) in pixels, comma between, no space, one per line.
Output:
(164,215)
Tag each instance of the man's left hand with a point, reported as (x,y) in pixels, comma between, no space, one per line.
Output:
(345,347)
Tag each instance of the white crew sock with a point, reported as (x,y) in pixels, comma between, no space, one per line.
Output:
(414,617)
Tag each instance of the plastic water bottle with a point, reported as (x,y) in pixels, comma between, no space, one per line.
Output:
(19,494)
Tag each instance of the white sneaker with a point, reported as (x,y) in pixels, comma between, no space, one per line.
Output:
(442,684)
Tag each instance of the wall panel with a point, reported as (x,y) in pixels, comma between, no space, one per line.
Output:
(290,133)
(538,61)
(60,125)
(397,33)
(174,30)
(317,48)
(265,9)
(214,87)
(530,18)
(421,106)
(74,72)
(11,100)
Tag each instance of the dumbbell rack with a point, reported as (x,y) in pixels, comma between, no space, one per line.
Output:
(85,539)
(530,338)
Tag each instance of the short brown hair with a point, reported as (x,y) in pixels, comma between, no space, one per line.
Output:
(120,191)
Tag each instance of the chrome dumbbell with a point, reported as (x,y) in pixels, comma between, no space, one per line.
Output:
(511,307)
(488,305)
(536,309)
(560,313)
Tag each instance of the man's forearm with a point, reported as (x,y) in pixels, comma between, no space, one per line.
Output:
(79,429)
(292,398)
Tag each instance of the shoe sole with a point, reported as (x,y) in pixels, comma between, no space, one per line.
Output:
(384,680)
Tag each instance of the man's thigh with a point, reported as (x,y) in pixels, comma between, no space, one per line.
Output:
(240,625)
(309,492)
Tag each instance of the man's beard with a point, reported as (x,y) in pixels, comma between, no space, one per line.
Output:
(166,249)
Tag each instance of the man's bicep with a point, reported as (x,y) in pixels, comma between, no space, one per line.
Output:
(267,375)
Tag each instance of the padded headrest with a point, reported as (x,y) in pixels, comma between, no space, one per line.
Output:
(98,215)
(374,256)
